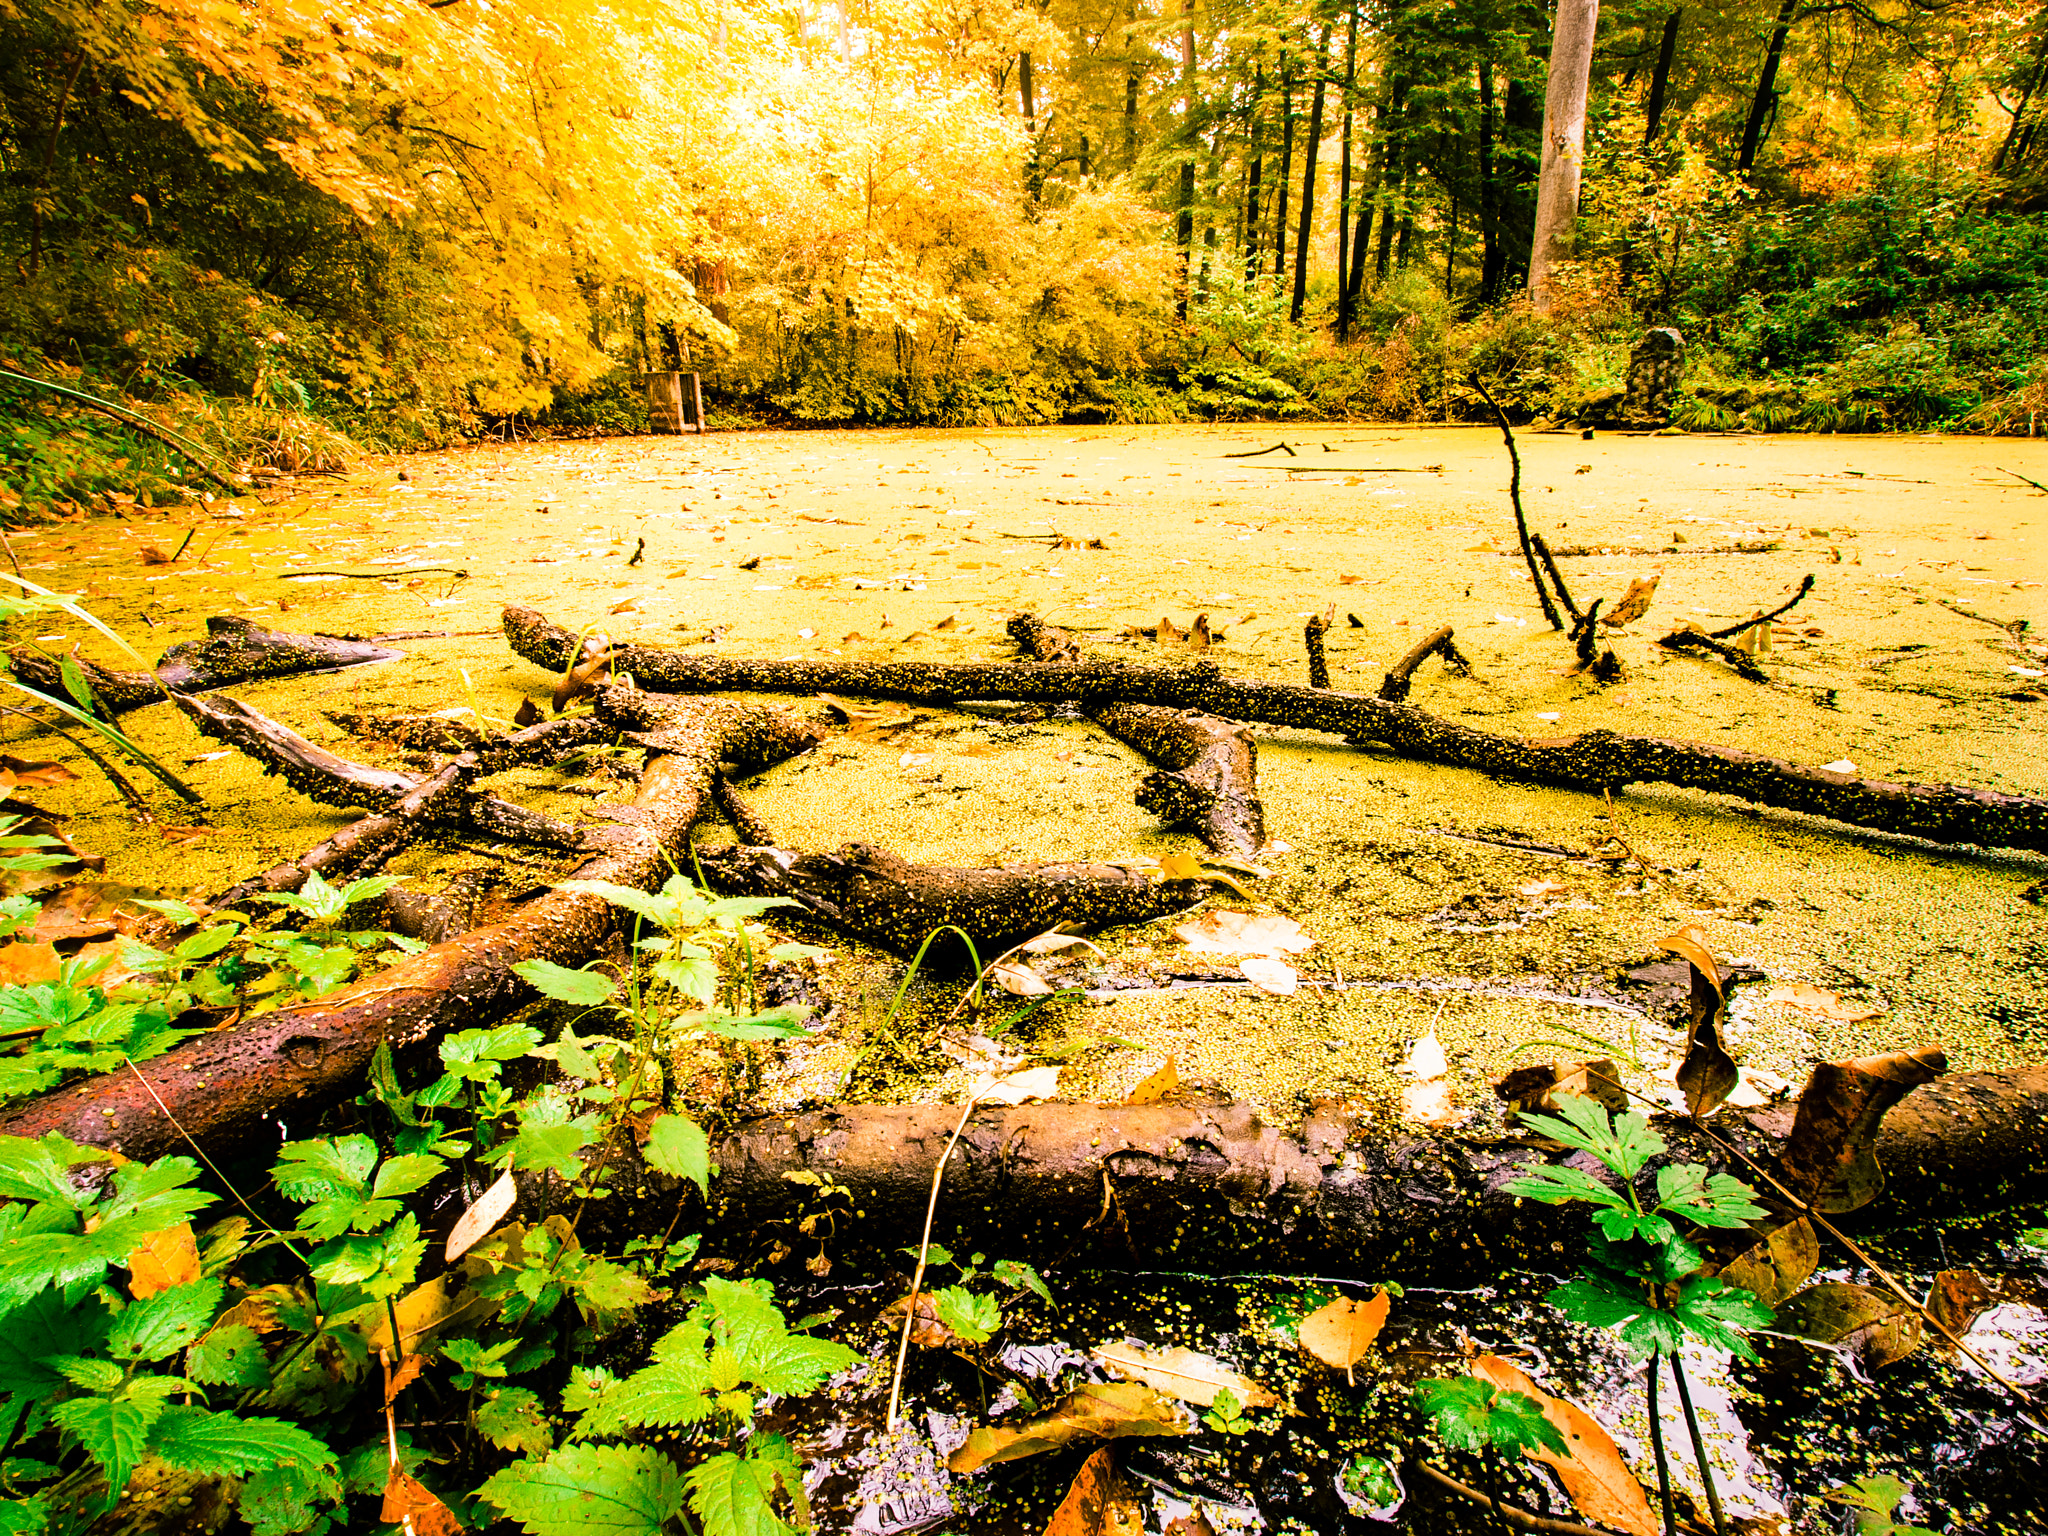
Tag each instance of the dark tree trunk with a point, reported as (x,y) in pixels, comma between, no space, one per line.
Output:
(1766,88)
(1308,180)
(1368,195)
(1286,171)
(1661,77)
(1256,140)
(1344,185)
(1489,209)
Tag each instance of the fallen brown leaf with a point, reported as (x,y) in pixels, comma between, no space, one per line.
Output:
(1157,1086)
(1274,976)
(1594,1474)
(1830,1159)
(37,775)
(162,1260)
(1778,1263)
(1099,1503)
(1182,1373)
(409,1505)
(1106,1412)
(1220,932)
(1874,1325)
(1808,998)
(1340,1333)
(1635,602)
(1957,1297)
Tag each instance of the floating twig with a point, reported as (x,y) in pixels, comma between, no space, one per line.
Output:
(1255,453)
(1785,607)
(404,570)
(1312,635)
(1515,495)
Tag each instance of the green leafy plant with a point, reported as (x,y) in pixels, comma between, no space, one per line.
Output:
(1875,1499)
(1226,1414)
(1477,1417)
(975,1317)
(1645,1280)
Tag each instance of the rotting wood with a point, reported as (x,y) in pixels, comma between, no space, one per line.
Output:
(746,824)
(1592,760)
(876,895)
(1312,634)
(234,651)
(1207,778)
(226,1087)
(1208,1185)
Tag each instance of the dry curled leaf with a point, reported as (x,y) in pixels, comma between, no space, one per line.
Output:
(1106,1412)
(1182,1373)
(1052,943)
(1635,602)
(1340,1333)
(1218,932)
(491,1207)
(1830,1159)
(1957,1297)
(528,713)
(1875,1326)
(1157,1086)
(1708,1074)
(1540,1086)
(1782,1259)
(37,775)
(1019,980)
(1429,1103)
(1099,1503)
(1593,1473)
(1019,1087)
(411,1507)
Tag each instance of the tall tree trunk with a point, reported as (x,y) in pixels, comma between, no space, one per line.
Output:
(1034,174)
(1344,184)
(1256,138)
(1564,142)
(1185,223)
(1766,88)
(1368,197)
(1286,170)
(1393,178)
(42,191)
(2013,150)
(1490,254)
(1451,246)
(1308,180)
(1661,77)
(1134,73)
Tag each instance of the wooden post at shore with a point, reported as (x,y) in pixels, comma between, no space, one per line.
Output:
(675,401)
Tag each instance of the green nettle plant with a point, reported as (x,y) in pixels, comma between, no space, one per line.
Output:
(1645,1279)
(239,1367)
(1473,1415)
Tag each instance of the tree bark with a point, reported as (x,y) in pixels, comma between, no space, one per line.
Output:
(1766,88)
(1489,208)
(1256,145)
(1564,143)
(1344,183)
(1308,180)
(1286,170)
(1209,1186)
(1593,760)
(1660,78)
(234,651)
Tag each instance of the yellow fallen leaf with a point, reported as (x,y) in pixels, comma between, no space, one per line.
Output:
(1019,980)
(1221,932)
(1429,1103)
(162,1260)
(1182,1373)
(1274,976)
(491,1207)
(1157,1086)
(1808,998)
(1598,1480)
(1426,1057)
(1340,1333)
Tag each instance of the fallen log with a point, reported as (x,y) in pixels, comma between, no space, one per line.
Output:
(224,1088)
(1594,761)
(234,651)
(873,894)
(1400,677)
(1211,1186)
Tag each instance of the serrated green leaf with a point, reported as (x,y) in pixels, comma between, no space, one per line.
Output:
(1688,1191)
(28,1516)
(86,1372)
(512,1420)
(477,1055)
(39,1170)
(678,1147)
(661,910)
(403,1175)
(735,1494)
(771,1357)
(285,1499)
(208,941)
(231,1355)
(1711,1310)
(583,988)
(695,978)
(114,1431)
(549,1136)
(369,888)
(1014,1274)
(1623,1225)
(307,1170)
(973,1317)
(1559,1186)
(1471,1415)
(224,1445)
(590,1490)
(166,1323)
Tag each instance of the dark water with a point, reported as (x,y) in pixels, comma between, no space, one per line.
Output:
(1783,1432)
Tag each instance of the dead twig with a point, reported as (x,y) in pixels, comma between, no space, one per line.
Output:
(1312,636)
(1785,607)
(1556,577)
(1515,495)
(1693,638)
(1520,1519)
(1394,689)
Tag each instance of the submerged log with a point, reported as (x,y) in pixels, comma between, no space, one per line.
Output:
(234,651)
(225,1088)
(1594,761)
(873,894)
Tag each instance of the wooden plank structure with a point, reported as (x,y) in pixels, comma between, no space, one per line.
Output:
(675,402)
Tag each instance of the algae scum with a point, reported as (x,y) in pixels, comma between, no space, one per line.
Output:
(1508,917)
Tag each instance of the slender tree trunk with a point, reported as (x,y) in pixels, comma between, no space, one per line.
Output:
(1256,138)
(1134,73)
(1564,142)
(1034,173)
(1661,77)
(1451,246)
(1344,184)
(1286,170)
(1308,180)
(1368,196)
(1185,224)
(1766,88)
(1489,207)
(1393,177)
(42,192)
(2013,150)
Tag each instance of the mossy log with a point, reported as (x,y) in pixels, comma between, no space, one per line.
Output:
(225,1088)
(872,894)
(1212,1186)
(234,651)
(1594,761)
